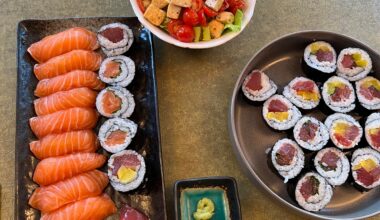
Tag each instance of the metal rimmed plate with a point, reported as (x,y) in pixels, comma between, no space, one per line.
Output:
(251,137)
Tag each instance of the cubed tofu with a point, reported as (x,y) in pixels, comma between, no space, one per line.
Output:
(160,3)
(154,15)
(214,4)
(182,3)
(216,28)
(173,11)
(146,3)
(225,17)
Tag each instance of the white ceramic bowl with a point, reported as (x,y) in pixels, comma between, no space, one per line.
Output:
(248,13)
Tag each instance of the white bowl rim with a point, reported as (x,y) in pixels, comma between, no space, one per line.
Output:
(195,45)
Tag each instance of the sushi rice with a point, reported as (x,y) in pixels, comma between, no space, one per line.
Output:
(362,155)
(117,124)
(127,102)
(297,99)
(370,104)
(356,72)
(372,124)
(313,62)
(127,68)
(321,134)
(111,48)
(342,106)
(268,87)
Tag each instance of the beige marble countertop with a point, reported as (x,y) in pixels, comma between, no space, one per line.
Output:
(194,86)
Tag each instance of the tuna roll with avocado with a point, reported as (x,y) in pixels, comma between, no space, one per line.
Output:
(345,131)
(115,102)
(115,38)
(310,133)
(117,71)
(280,113)
(333,165)
(320,56)
(368,92)
(288,158)
(338,94)
(258,87)
(313,192)
(372,130)
(116,134)
(365,166)
(303,93)
(353,64)
(126,170)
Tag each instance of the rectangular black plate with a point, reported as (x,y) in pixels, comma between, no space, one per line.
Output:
(149,197)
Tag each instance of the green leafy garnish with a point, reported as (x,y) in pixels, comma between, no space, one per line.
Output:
(236,26)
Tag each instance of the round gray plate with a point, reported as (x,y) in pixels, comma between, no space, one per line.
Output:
(251,137)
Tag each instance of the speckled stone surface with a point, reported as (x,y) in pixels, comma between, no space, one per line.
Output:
(194,86)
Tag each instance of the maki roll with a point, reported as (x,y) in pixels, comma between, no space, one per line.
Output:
(115,38)
(258,87)
(320,56)
(333,165)
(313,192)
(126,170)
(372,130)
(303,93)
(115,102)
(368,92)
(365,165)
(116,134)
(280,113)
(345,131)
(353,64)
(117,71)
(310,133)
(288,158)
(338,94)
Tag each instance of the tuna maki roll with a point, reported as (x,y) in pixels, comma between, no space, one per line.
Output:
(280,113)
(116,134)
(368,92)
(365,165)
(115,102)
(117,71)
(115,38)
(310,133)
(288,158)
(333,165)
(338,94)
(320,56)
(372,130)
(126,170)
(353,64)
(303,93)
(258,87)
(345,131)
(313,192)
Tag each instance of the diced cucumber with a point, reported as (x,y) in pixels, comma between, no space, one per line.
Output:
(197,32)
(206,33)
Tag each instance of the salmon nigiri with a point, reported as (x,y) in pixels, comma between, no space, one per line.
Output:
(81,97)
(72,119)
(52,197)
(93,208)
(63,42)
(73,60)
(71,80)
(54,169)
(66,143)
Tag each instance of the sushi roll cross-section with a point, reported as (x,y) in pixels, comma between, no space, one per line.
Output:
(372,130)
(339,94)
(115,39)
(280,113)
(333,165)
(320,56)
(354,64)
(345,131)
(258,87)
(288,158)
(117,71)
(310,133)
(368,92)
(365,165)
(303,93)
(115,102)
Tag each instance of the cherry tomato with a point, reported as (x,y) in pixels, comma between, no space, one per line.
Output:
(224,7)
(185,33)
(235,5)
(173,27)
(209,12)
(190,17)
(141,5)
(202,17)
(196,5)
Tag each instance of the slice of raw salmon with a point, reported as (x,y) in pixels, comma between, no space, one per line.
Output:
(70,80)
(63,42)
(52,197)
(66,143)
(93,208)
(80,97)
(73,60)
(54,169)
(72,119)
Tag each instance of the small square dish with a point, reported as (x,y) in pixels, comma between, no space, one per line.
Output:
(222,191)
